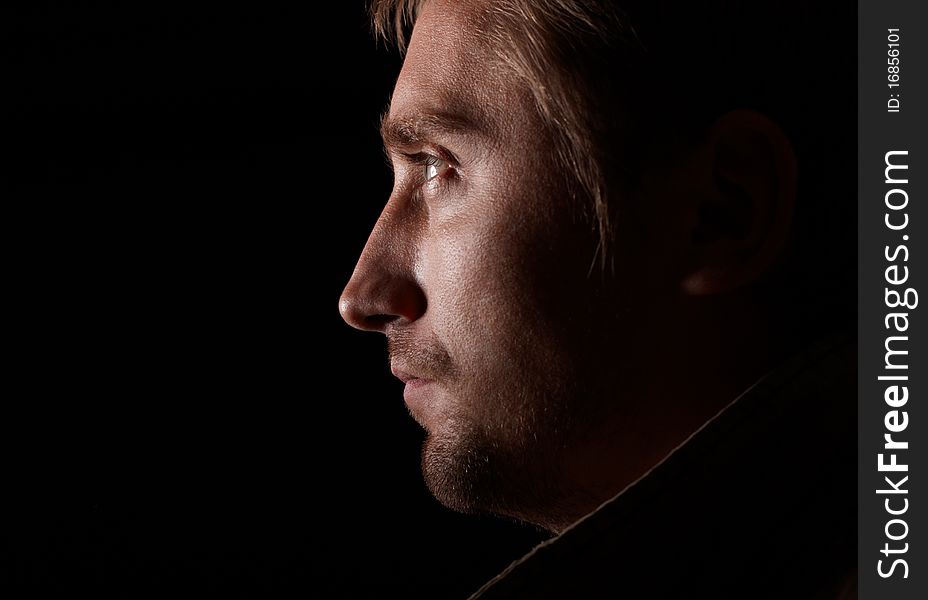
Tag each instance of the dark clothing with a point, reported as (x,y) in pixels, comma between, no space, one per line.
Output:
(759,503)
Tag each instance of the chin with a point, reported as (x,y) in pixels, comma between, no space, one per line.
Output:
(471,473)
(456,470)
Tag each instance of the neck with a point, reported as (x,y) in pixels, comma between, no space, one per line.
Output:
(719,349)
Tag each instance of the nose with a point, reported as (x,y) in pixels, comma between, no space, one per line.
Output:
(383,288)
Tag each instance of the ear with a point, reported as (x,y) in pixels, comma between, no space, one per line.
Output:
(745,210)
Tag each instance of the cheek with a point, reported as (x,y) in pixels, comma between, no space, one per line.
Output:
(469,288)
(499,286)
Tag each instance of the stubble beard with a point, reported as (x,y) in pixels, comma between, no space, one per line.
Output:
(508,463)
(502,452)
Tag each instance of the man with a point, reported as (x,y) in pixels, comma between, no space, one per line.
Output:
(593,275)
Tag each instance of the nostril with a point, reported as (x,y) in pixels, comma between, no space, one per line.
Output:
(378,321)
(362,315)
(371,303)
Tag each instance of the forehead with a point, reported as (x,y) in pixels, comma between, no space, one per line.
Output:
(450,68)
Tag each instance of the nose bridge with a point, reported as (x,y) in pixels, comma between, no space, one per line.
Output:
(383,286)
(390,248)
(389,241)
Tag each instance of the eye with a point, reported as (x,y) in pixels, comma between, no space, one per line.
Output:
(433,167)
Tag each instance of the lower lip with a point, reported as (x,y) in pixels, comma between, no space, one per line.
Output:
(415,391)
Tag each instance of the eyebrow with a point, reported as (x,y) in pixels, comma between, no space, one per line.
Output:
(400,132)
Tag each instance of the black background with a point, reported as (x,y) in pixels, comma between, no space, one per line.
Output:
(188,187)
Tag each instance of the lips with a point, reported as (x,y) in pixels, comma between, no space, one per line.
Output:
(404,376)
(418,394)
(407,375)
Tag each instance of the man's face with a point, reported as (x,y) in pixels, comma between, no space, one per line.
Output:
(482,273)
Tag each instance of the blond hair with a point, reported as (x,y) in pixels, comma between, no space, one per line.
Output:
(615,84)
(549,44)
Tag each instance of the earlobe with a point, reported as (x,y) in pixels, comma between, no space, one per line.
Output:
(743,220)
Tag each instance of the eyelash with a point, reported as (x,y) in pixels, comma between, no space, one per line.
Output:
(425,159)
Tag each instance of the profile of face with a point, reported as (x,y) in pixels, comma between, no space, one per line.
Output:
(542,385)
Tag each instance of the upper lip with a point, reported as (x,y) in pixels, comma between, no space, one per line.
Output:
(403,375)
